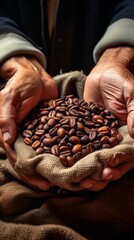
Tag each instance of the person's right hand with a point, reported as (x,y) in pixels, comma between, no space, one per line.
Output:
(117,166)
(27,84)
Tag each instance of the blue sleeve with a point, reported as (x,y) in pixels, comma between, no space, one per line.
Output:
(124,9)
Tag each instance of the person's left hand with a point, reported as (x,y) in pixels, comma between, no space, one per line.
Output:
(111,84)
(116,167)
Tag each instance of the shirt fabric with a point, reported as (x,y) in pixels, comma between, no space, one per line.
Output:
(72,38)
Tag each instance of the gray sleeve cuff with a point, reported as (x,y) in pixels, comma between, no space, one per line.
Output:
(118,33)
(12,44)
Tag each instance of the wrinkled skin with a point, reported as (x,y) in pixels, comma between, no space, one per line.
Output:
(27,84)
(110,83)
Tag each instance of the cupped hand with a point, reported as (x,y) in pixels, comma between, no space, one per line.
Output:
(36,181)
(27,84)
(117,167)
(111,84)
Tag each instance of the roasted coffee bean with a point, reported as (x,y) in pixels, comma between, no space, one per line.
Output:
(91,147)
(47,142)
(70,161)
(72,132)
(61,132)
(27,133)
(30,126)
(55,150)
(52,113)
(44,119)
(36,144)
(63,160)
(113,141)
(80,126)
(84,139)
(39,132)
(77,148)
(39,150)
(92,135)
(28,141)
(63,148)
(77,156)
(98,119)
(72,122)
(51,122)
(104,140)
(70,128)
(74,139)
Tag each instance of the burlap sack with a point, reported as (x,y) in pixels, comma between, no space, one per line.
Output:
(32,214)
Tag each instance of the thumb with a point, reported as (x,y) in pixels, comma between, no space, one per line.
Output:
(8,130)
(130,120)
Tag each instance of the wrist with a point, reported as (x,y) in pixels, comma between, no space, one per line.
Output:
(119,55)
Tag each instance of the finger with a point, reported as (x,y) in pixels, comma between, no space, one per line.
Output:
(130,123)
(91,90)
(10,153)
(8,130)
(92,184)
(37,181)
(119,158)
(8,115)
(49,84)
(116,172)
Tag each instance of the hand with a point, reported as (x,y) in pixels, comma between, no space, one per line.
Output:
(36,181)
(111,84)
(28,83)
(116,168)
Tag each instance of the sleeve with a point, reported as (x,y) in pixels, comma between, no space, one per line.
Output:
(120,31)
(14,42)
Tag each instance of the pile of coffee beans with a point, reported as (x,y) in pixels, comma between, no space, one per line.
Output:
(70,128)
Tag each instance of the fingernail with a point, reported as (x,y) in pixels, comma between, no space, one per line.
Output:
(90,185)
(6,136)
(43,187)
(109,177)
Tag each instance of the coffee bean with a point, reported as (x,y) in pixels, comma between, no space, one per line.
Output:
(70,128)
(84,139)
(47,142)
(70,161)
(36,144)
(77,148)
(51,122)
(55,150)
(74,139)
(39,150)
(61,132)
(27,133)
(92,135)
(28,141)
(77,156)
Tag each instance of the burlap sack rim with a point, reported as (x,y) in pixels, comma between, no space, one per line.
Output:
(50,166)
